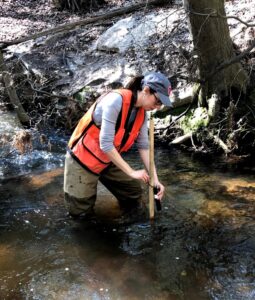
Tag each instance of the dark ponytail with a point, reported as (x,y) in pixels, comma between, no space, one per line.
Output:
(135,84)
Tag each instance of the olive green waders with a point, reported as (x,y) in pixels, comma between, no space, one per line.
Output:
(80,187)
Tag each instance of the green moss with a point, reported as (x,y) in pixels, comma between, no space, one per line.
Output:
(83,95)
(195,119)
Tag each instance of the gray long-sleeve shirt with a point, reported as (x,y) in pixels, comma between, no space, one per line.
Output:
(106,115)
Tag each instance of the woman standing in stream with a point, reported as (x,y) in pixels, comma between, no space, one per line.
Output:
(111,126)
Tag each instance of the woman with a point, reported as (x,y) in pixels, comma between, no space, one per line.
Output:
(111,125)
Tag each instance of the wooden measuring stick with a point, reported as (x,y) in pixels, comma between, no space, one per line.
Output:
(151,168)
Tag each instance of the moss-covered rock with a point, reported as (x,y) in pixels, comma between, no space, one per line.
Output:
(195,119)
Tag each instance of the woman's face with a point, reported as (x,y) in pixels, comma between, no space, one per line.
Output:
(148,100)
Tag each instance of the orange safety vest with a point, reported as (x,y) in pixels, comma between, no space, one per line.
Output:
(84,143)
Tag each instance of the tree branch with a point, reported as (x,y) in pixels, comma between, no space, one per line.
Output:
(238,19)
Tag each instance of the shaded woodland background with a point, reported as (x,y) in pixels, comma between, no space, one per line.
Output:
(208,55)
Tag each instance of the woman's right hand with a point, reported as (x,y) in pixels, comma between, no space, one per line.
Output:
(140,175)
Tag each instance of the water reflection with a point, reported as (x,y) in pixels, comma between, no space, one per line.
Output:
(201,246)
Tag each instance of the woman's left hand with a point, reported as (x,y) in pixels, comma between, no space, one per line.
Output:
(161,191)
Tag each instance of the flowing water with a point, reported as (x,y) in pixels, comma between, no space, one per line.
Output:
(200,246)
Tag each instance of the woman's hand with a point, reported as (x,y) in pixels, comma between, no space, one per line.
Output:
(161,189)
(140,175)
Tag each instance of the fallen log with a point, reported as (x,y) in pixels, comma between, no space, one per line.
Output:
(181,139)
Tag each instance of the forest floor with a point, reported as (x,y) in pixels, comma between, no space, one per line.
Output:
(19,18)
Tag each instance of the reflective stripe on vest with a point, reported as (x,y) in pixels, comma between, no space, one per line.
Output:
(84,143)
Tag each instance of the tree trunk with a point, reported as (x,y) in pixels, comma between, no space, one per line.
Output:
(213,45)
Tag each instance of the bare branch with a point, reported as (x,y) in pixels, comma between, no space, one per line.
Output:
(238,19)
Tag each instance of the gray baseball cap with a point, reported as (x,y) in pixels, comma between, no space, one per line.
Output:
(160,84)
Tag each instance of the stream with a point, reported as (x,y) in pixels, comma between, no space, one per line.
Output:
(200,246)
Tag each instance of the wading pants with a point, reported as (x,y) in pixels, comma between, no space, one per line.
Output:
(80,187)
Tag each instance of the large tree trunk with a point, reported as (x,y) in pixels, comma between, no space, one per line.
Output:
(214,46)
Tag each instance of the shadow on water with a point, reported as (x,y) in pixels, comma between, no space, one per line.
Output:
(201,246)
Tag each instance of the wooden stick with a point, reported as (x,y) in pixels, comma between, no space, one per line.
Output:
(151,169)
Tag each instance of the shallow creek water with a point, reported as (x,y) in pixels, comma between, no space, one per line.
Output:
(201,246)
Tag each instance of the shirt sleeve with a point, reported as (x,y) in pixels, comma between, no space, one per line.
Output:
(111,106)
(142,141)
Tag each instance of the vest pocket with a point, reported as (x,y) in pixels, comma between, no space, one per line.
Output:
(91,144)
